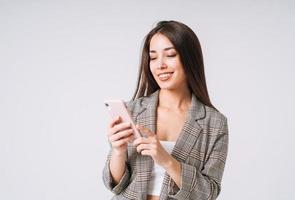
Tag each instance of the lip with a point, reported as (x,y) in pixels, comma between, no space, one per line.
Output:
(164,73)
(165,78)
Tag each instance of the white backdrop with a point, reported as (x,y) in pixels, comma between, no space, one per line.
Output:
(60,59)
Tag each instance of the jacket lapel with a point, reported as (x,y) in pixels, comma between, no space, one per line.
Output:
(190,131)
(146,115)
(189,135)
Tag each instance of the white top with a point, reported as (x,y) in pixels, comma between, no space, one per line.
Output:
(155,183)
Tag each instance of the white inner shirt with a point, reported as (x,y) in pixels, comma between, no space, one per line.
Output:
(155,183)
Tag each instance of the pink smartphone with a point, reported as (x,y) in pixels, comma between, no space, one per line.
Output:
(119,108)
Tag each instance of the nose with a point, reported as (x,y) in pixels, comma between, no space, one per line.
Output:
(161,64)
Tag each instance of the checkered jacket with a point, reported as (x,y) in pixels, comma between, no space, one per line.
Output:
(201,150)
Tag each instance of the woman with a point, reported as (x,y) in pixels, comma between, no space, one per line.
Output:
(183,152)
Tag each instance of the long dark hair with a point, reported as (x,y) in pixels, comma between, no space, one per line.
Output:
(188,46)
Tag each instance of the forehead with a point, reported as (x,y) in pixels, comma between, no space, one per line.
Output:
(159,42)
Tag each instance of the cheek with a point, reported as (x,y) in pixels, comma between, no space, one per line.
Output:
(153,66)
(174,63)
(153,69)
(180,71)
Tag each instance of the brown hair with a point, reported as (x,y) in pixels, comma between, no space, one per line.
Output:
(188,46)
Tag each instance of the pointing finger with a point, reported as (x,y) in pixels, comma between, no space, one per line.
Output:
(145,130)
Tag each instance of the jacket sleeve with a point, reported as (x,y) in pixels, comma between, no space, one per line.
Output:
(108,180)
(204,184)
(107,177)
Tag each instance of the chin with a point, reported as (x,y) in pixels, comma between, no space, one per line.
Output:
(167,86)
(170,85)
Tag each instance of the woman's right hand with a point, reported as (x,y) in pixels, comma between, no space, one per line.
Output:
(119,134)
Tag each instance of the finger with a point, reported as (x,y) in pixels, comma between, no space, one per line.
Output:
(121,142)
(146,152)
(132,138)
(142,147)
(120,135)
(140,140)
(114,121)
(120,127)
(145,130)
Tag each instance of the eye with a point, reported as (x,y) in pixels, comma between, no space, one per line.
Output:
(172,55)
(152,58)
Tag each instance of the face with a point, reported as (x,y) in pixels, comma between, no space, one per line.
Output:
(165,63)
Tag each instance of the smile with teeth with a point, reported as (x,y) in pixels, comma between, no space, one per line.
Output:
(165,76)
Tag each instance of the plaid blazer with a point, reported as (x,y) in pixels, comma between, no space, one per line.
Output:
(201,150)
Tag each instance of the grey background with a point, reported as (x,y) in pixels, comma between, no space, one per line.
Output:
(60,59)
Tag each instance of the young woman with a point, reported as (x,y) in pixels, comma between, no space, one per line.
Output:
(183,152)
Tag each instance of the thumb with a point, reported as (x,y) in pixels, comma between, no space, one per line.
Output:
(145,130)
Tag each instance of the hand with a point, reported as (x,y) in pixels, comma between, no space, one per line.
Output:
(151,146)
(119,134)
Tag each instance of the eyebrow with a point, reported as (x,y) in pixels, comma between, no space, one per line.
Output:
(166,49)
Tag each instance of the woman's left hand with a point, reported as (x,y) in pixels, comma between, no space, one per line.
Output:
(151,146)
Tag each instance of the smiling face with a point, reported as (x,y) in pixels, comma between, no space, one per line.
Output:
(165,64)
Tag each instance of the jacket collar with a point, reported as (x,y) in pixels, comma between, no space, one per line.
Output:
(150,103)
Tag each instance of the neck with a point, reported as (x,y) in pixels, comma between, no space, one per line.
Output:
(175,99)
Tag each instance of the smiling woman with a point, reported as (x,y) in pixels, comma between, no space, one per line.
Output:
(165,64)
(182,42)
(183,152)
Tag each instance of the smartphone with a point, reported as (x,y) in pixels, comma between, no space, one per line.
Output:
(119,108)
